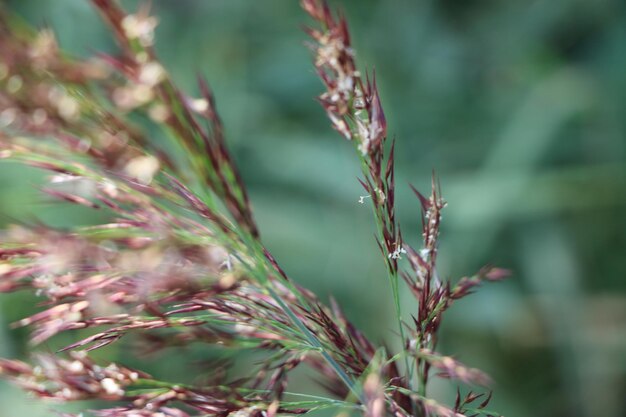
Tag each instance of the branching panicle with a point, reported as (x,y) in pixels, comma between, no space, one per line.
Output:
(179,259)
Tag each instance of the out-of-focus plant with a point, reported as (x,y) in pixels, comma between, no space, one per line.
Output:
(181,261)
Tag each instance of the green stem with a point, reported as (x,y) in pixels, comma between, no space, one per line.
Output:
(314,341)
(254,245)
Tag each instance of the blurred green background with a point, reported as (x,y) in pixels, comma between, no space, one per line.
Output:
(520,107)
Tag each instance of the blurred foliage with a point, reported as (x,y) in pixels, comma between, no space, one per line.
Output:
(519,107)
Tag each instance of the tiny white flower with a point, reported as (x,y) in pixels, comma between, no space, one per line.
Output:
(363,197)
(68,107)
(61,178)
(75,366)
(151,73)
(143,168)
(67,393)
(199,105)
(396,254)
(345,83)
(159,113)
(111,387)
(140,27)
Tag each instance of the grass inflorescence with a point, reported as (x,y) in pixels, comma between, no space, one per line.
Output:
(181,259)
